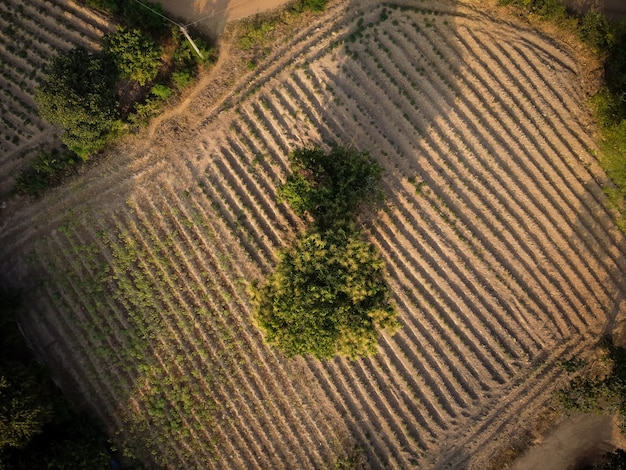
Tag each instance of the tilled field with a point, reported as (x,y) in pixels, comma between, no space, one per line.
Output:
(31,33)
(499,248)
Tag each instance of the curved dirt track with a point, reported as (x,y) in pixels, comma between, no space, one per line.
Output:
(502,255)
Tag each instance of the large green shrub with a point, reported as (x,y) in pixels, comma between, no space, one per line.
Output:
(78,94)
(331,186)
(136,55)
(328,295)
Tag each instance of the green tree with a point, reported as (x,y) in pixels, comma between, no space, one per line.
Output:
(23,410)
(136,56)
(78,94)
(331,187)
(328,295)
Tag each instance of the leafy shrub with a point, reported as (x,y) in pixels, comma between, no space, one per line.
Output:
(181,80)
(328,295)
(595,30)
(78,94)
(313,5)
(331,186)
(45,171)
(135,55)
(161,91)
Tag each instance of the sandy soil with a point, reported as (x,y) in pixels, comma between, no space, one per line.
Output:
(575,442)
(210,16)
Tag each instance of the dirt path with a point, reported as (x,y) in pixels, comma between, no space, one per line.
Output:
(575,442)
(212,15)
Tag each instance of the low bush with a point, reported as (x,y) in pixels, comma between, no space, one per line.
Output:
(46,170)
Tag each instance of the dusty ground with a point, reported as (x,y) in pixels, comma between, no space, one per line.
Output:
(577,441)
(211,16)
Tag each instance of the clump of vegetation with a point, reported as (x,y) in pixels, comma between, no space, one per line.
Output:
(45,171)
(78,94)
(328,295)
(136,55)
(603,394)
(331,187)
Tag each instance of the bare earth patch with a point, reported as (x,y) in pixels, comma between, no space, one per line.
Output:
(576,441)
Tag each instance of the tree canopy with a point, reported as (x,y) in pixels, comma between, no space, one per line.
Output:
(331,186)
(78,94)
(328,295)
(136,55)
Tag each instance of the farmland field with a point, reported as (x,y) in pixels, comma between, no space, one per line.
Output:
(30,34)
(501,253)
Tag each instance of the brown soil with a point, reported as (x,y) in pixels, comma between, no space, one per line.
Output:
(502,254)
(211,16)
(578,440)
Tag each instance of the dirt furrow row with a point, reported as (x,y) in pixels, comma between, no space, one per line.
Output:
(495,201)
(528,394)
(267,384)
(184,344)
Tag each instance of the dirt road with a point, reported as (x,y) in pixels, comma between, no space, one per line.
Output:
(212,15)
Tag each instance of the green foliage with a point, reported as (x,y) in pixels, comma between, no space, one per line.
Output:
(331,186)
(135,15)
(185,59)
(312,5)
(78,94)
(161,91)
(595,30)
(181,80)
(328,295)
(46,170)
(257,33)
(546,9)
(23,412)
(136,56)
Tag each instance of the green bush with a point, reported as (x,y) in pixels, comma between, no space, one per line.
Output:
(135,55)
(313,5)
(328,296)
(595,30)
(46,170)
(331,186)
(78,94)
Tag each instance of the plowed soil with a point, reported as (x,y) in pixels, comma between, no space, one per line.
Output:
(502,254)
